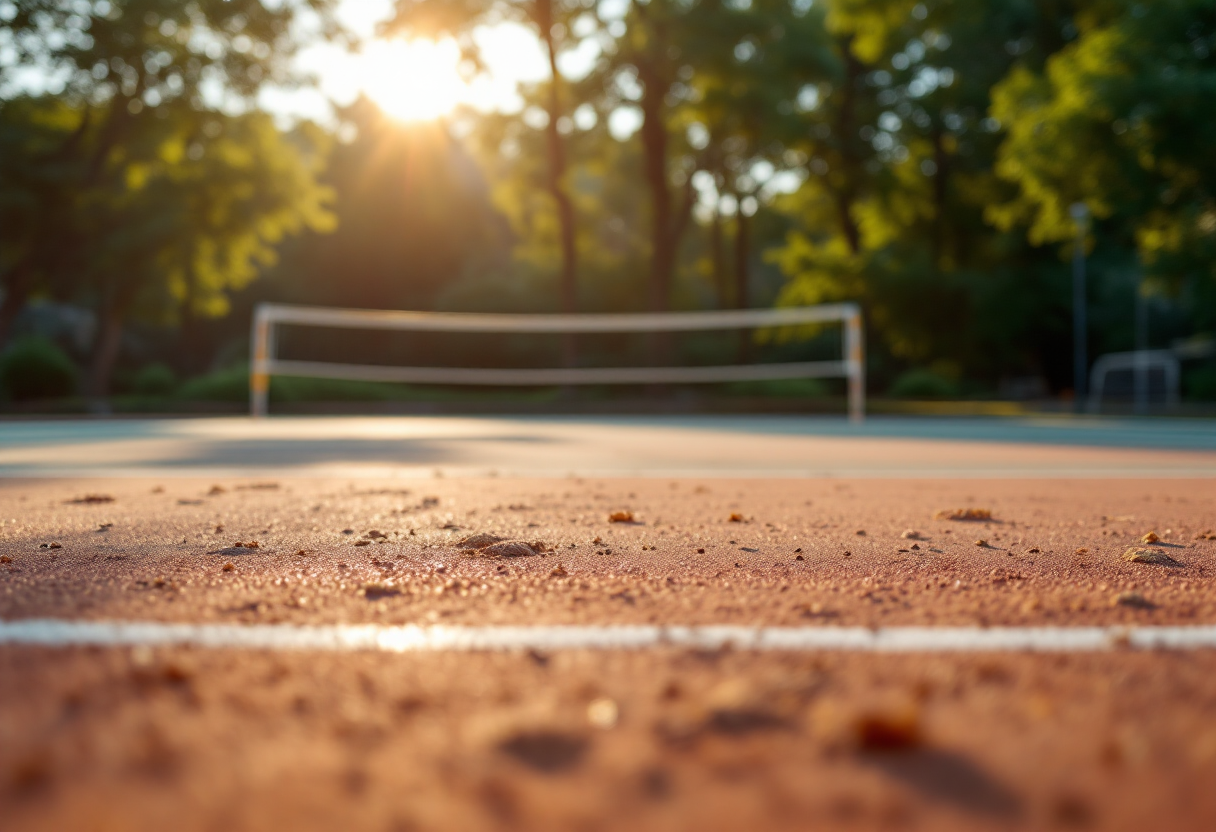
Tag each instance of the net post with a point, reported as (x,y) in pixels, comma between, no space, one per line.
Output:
(855,362)
(259,378)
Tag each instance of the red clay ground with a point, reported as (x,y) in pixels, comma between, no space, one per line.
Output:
(118,739)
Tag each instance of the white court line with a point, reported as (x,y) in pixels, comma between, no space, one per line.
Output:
(344,637)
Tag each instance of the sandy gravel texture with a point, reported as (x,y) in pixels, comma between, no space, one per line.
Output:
(192,740)
(779,552)
(116,739)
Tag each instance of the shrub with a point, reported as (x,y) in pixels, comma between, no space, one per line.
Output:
(794,388)
(923,383)
(155,380)
(36,368)
(230,385)
(1199,383)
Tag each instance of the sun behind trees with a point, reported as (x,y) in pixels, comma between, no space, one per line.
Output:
(918,157)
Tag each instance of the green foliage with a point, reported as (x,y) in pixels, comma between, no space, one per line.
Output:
(228,385)
(148,187)
(794,388)
(155,380)
(901,154)
(922,383)
(1199,383)
(196,221)
(232,385)
(1121,120)
(36,368)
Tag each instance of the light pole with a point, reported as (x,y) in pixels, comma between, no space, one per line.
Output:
(1080,216)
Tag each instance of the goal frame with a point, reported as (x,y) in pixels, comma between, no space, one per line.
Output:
(266,363)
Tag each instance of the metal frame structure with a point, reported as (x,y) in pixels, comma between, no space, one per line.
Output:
(1139,362)
(267,315)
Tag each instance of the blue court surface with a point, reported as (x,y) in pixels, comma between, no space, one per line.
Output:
(611,446)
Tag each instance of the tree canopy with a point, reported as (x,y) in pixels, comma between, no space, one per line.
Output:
(917,156)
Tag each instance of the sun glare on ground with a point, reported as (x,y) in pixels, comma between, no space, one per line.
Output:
(414,80)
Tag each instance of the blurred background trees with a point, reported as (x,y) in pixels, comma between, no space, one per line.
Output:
(917,157)
(148,183)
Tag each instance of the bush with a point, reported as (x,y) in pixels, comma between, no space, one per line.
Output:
(924,384)
(793,388)
(36,368)
(155,380)
(1199,383)
(230,385)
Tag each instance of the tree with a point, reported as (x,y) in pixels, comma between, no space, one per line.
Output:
(749,64)
(645,65)
(39,166)
(201,214)
(155,77)
(901,151)
(1120,120)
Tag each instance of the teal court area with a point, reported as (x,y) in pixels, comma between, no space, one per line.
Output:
(735,446)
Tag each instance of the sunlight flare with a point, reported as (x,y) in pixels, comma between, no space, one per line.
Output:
(416,80)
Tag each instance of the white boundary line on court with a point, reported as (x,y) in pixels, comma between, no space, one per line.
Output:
(410,639)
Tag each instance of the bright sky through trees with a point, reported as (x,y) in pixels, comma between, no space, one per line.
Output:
(415,80)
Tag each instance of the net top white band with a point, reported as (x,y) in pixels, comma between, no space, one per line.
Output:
(487,322)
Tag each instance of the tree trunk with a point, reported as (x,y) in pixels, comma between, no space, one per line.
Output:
(105,350)
(110,314)
(557,177)
(194,347)
(112,133)
(742,275)
(742,259)
(654,147)
(846,135)
(939,198)
(848,225)
(717,252)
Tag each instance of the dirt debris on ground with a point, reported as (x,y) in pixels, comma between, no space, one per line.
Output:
(693,739)
(1138,554)
(963,514)
(479,541)
(510,549)
(92,499)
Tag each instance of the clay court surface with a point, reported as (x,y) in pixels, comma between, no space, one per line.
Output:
(760,523)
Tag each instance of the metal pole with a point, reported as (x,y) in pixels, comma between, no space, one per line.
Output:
(855,358)
(1080,215)
(259,380)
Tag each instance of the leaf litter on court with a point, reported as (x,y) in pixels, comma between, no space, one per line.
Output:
(963,514)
